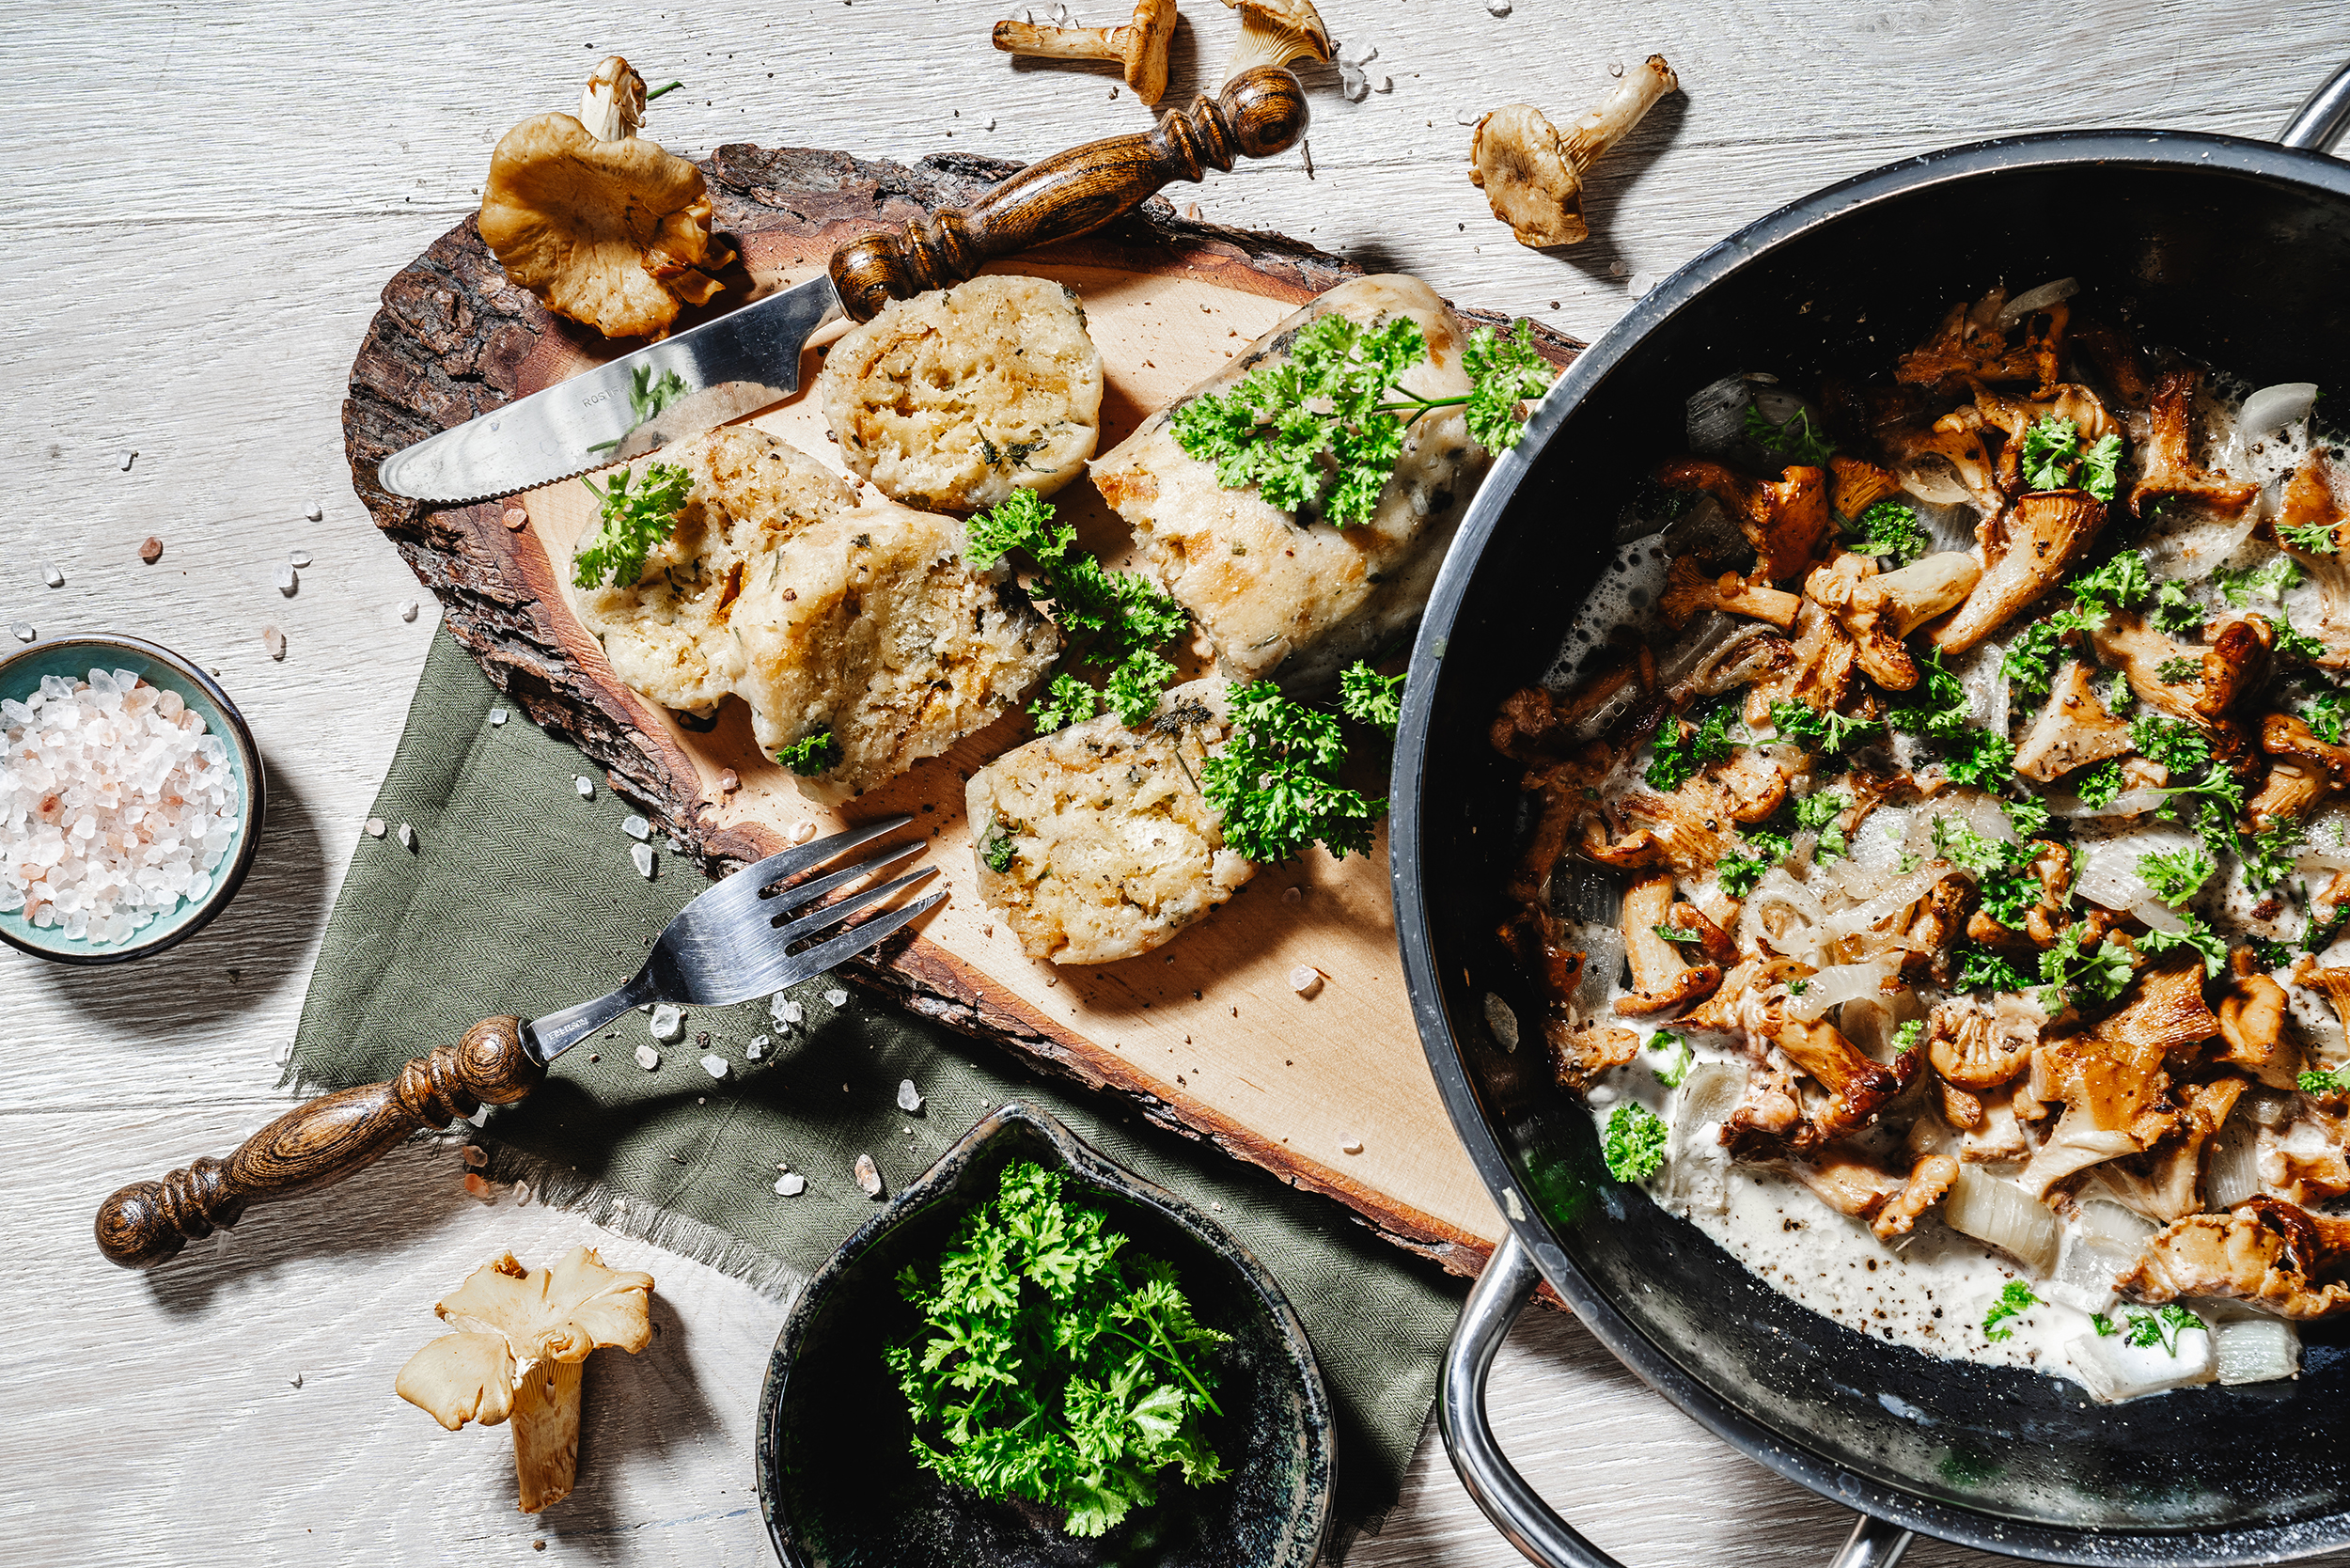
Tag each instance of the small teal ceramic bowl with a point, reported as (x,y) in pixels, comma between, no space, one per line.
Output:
(837,1478)
(73,658)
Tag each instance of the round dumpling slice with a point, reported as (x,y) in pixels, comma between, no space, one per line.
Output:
(953,400)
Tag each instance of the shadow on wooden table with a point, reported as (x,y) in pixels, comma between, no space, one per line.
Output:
(255,947)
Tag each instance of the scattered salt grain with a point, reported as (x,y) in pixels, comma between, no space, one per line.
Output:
(637,828)
(1305,979)
(1615,68)
(50,575)
(289,581)
(909,1097)
(869,1176)
(273,642)
(640,855)
(668,1023)
(647,1057)
(497,716)
(729,781)
(124,459)
(116,805)
(804,833)
(991,122)
(152,550)
(791,1184)
(585,785)
(478,1187)
(1350,60)
(756,1048)
(1352,1146)
(784,1010)
(376,828)
(1499,8)
(298,557)
(407,609)
(407,836)
(23,630)
(476,1156)
(522,1192)
(315,512)
(714,1064)
(835,999)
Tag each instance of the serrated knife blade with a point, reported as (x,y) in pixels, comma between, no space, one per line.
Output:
(736,365)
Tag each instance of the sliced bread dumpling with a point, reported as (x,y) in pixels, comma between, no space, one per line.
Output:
(1095,842)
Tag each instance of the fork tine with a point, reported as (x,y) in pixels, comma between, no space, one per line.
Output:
(840,909)
(732,895)
(807,892)
(854,941)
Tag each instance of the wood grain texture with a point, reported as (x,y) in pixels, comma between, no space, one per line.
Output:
(1208,1036)
(205,203)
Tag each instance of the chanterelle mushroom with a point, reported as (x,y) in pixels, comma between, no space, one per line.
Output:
(2166,465)
(522,1339)
(2024,551)
(1878,609)
(1140,47)
(1533,176)
(612,232)
(1784,519)
(2269,1252)
(2072,731)
(1274,32)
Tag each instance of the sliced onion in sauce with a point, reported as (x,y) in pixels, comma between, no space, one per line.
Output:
(2129,803)
(2272,408)
(1900,896)
(2001,1214)
(1840,983)
(1699,1167)
(2255,1350)
(2109,867)
(1932,478)
(1800,916)
(2232,1170)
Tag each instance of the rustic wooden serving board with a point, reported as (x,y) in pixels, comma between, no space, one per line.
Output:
(1208,1034)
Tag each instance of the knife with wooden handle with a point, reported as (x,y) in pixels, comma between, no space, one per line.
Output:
(746,360)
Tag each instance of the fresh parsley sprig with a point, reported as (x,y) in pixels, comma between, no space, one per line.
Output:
(1672,1073)
(1275,781)
(1797,440)
(2317,538)
(1829,732)
(1890,531)
(811,753)
(628,523)
(1052,1363)
(2054,458)
(1116,620)
(1634,1143)
(1682,749)
(1321,429)
(2017,1298)
(2196,937)
(647,395)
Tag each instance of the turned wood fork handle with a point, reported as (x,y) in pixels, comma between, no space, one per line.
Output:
(1259,113)
(318,1143)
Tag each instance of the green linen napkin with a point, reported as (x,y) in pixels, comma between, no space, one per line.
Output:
(519,897)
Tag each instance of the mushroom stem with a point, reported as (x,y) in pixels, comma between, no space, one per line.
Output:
(1609,124)
(1062,43)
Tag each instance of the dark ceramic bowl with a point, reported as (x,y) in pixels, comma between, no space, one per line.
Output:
(74,657)
(836,1478)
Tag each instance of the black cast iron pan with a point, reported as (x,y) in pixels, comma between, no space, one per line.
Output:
(2235,251)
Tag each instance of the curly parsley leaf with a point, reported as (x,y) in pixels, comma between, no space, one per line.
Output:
(1055,1363)
(2017,1298)
(2174,611)
(2101,786)
(1905,1039)
(2179,671)
(2334,1082)
(1672,1073)
(2268,856)
(811,753)
(2297,645)
(2178,745)
(1321,429)
(1819,811)
(2051,451)
(999,849)
(1797,439)
(2027,816)
(1679,756)
(2178,875)
(1634,1143)
(2324,715)
(2102,970)
(1890,531)
(628,523)
(1115,621)
(1275,784)
(2100,470)
(2121,583)
(2270,580)
(2144,1329)
(2316,538)
(1674,933)
(2196,938)
(1982,970)
(1828,732)
(1370,698)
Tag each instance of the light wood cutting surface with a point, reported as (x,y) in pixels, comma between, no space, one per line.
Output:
(205,199)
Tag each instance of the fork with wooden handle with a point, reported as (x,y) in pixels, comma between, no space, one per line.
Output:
(751,934)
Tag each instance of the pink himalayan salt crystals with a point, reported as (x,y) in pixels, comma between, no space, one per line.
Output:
(115,806)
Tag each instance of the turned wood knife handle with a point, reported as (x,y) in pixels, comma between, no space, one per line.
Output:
(1260,112)
(317,1143)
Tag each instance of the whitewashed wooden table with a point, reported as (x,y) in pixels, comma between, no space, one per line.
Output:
(205,199)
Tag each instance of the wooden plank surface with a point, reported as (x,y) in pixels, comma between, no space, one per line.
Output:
(204,201)
(1330,1091)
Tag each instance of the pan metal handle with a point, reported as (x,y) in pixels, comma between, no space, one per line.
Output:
(2315,125)
(1524,1519)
